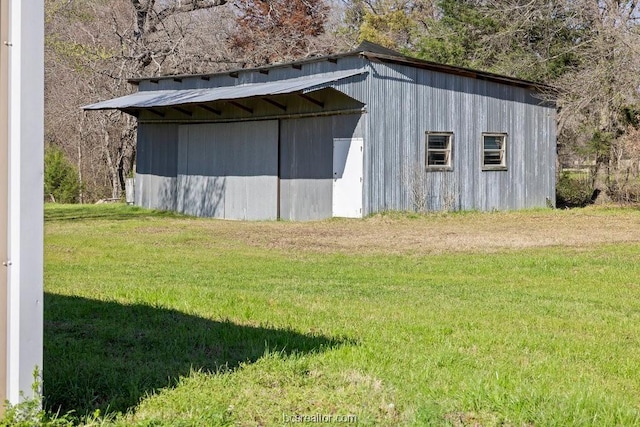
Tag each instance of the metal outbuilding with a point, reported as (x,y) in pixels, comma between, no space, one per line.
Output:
(341,135)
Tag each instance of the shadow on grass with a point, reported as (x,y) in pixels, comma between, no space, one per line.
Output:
(107,356)
(110,211)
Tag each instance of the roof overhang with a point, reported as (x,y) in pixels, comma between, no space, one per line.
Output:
(184,97)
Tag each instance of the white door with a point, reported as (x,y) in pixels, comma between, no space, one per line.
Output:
(347,177)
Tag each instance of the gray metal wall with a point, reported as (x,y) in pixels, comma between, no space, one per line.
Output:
(229,170)
(156,166)
(406,102)
(306,164)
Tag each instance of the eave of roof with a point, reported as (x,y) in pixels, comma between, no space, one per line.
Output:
(372,52)
(459,71)
(182,97)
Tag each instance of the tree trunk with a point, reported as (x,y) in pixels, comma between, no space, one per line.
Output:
(79,150)
(112,167)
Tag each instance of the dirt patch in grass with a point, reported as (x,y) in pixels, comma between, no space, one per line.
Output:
(468,232)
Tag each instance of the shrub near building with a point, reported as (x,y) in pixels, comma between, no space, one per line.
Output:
(573,190)
(61,182)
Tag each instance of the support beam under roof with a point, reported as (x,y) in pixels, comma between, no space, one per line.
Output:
(240,106)
(183,111)
(210,109)
(311,100)
(156,112)
(275,104)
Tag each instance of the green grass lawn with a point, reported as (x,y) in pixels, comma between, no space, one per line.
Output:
(159,319)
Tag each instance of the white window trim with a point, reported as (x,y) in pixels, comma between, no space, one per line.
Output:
(447,167)
(504,151)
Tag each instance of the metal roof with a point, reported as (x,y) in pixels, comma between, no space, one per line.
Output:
(374,52)
(167,98)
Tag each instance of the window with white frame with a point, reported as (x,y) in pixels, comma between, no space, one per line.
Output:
(494,151)
(438,149)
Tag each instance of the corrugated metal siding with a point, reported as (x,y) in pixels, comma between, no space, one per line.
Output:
(306,164)
(156,166)
(305,168)
(229,170)
(360,89)
(406,102)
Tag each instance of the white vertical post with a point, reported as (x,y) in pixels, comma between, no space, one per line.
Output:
(4,192)
(26,170)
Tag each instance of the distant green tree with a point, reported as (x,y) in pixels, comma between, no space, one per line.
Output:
(456,37)
(396,24)
(535,39)
(531,39)
(61,182)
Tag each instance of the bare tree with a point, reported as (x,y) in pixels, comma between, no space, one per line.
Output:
(92,48)
(280,30)
(603,86)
